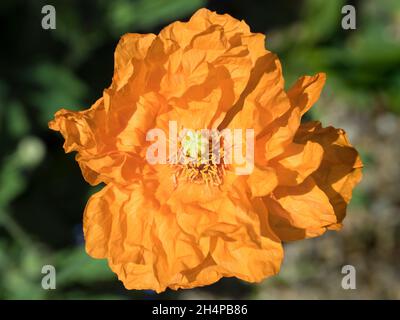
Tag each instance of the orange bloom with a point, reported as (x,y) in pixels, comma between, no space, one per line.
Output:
(182,226)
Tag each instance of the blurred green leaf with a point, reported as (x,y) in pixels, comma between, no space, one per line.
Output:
(17,120)
(11,180)
(76,266)
(81,34)
(160,11)
(58,87)
(127,15)
(321,19)
(30,151)
(24,274)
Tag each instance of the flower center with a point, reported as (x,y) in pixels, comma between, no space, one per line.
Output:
(200,160)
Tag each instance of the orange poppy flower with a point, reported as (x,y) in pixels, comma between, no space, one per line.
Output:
(182,225)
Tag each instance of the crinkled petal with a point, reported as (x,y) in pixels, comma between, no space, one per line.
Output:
(278,135)
(159,229)
(306,91)
(319,203)
(97,219)
(262,181)
(305,205)
(132,47)
(340,169)
(151,247)
(297,163)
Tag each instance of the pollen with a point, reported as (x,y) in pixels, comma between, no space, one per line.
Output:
(201,160)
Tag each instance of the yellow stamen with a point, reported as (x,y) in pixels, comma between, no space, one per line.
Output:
(193,168)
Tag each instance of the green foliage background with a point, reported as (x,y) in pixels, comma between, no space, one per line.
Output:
(42,193)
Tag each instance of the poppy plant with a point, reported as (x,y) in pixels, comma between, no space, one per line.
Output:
(183,224)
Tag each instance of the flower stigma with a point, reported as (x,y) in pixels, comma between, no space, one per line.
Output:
(200,159)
